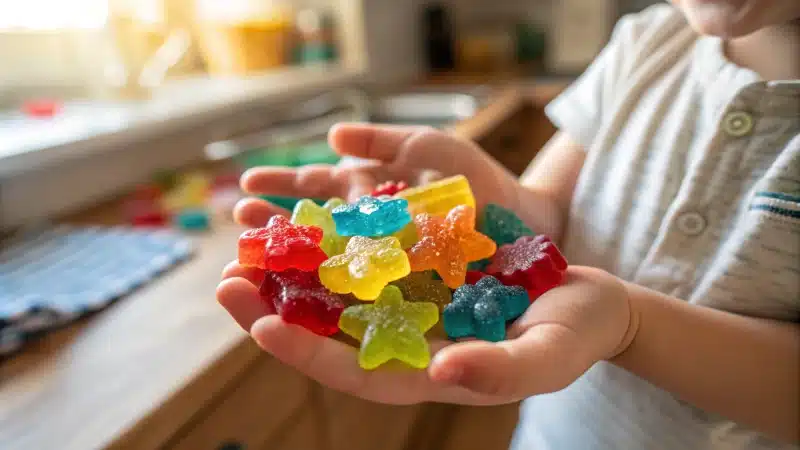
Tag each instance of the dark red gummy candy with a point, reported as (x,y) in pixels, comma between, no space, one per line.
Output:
(300,298)
(389,188)
(473,276)
(282,245)
(534,263)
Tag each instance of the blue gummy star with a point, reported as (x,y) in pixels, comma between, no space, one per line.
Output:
(372,217)
(482,310)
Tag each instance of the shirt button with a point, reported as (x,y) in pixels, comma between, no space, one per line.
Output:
(691,223)
(738,123)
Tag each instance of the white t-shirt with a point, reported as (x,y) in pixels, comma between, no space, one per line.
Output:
(691,187)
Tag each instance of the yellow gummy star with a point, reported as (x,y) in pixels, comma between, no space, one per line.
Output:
(366,267)
(391,328)
(306,212)
(408,235)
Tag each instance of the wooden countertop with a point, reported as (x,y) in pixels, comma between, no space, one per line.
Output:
(132,374)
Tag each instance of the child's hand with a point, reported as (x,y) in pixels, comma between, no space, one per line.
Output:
(416,155)
(562,335)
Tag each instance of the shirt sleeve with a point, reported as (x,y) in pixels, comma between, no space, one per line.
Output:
(580,110)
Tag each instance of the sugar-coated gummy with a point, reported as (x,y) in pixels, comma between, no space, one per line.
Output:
(301,299)
(482,310)
(502,225)
(389,188)
(439,197)
(308,212)
(473,276)
(534,263)
(391,328)
(281,245)
(421,287)
(366,267)
(448,244)
(371,217)
(479,265)
(407,236)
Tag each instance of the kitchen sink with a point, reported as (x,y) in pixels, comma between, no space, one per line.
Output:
(311,120)
(425,107)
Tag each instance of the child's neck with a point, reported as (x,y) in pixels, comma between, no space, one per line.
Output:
(771,52)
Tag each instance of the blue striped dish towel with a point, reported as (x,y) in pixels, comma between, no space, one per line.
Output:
(58,275)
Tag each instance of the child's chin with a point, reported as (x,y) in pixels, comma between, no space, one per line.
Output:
(716,18)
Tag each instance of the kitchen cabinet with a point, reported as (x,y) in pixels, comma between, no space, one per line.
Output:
(517,140)
(272,406)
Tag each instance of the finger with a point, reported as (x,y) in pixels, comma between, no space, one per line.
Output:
(251,274)
(313,181)
(379,142)
(542,360)
(361,183)
(335,365)
(255,212)
(242,301)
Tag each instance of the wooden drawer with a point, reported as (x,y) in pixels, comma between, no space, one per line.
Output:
(355,424)
(303,433)
(483,427)
(262,402)
(516,141)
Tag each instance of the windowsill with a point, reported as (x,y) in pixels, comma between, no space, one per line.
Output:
(81,129)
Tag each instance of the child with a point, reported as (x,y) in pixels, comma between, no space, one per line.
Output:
(673,188)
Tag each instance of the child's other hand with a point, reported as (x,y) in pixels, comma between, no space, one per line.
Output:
(416,155)
(562,335)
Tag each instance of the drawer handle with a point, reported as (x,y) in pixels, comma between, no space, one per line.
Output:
(231,446)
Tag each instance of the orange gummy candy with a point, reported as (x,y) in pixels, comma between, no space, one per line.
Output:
(448,244)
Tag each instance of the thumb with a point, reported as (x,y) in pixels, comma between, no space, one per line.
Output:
(547,358)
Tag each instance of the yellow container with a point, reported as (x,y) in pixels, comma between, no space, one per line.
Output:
(244,36)
(245,47)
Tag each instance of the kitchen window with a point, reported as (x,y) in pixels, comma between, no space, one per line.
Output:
(42,15)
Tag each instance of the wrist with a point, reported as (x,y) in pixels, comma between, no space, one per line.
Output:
(634,323)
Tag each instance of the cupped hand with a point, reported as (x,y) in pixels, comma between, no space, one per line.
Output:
(561,335)
(416,155)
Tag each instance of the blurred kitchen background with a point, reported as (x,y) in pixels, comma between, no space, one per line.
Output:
(124,126)
(79,77)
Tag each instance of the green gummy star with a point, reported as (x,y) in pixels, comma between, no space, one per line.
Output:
(502,225)
(306,212)
(391,328)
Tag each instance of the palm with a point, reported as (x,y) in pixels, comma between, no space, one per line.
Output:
(543,342)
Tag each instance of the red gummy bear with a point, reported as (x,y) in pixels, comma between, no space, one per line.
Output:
(473,276)
(389,188)
(282,245)
(534,263)
(300,298)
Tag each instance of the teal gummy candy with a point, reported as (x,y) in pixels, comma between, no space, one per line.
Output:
(193,219)
(483,309)
(479,265)
(502,225)
(371,217)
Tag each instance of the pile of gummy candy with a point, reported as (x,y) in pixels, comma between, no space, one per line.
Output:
(411,254)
